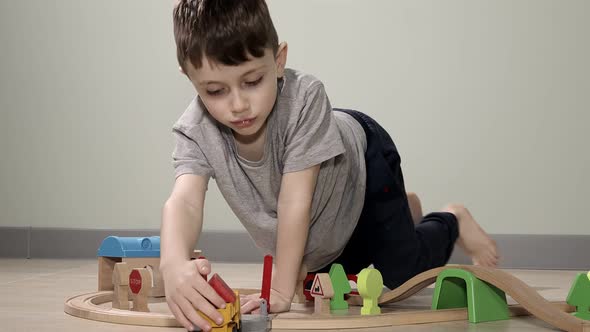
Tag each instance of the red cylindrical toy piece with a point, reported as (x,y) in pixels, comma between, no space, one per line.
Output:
(226,293)
(266,279)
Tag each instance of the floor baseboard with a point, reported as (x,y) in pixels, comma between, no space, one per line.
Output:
(569,252)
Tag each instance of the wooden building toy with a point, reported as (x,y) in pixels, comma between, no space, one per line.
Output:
(266,280)
(139,284)
(322,291)
(458,288)
(231,313)
(307,282)
(226,293)
(353,278)
(256,323)
(341,286)
(231,317)
(579,296)
(311,276)
(370,287)
(96,306)
(121,286)
(263,307)
(137,252)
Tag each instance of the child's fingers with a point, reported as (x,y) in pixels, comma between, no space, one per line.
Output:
(203,266)
(198,301)
(205,290)
(180,317)
(210,294)
(250,306)
(247,297)
(190,311)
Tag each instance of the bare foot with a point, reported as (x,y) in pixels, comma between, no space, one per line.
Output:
(473,239)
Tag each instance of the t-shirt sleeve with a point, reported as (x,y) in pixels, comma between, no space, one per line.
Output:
(315,137)
(188,157)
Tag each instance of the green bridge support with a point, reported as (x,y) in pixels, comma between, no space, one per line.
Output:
(457,288)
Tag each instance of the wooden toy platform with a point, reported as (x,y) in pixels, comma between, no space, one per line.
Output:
(97,306)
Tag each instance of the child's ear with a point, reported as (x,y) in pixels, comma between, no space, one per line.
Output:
(181,70)
(281,59)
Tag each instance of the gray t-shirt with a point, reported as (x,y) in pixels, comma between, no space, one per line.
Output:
(302,131)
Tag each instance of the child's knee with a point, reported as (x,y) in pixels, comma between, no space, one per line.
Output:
(455,208)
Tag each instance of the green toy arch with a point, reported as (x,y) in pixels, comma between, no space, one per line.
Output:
(457,288)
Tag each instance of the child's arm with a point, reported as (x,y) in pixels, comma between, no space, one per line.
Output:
(294,213)
(182,219)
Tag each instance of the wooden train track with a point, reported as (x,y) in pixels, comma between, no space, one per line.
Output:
(522,293)
(95,306)
(92,306)
(409,288)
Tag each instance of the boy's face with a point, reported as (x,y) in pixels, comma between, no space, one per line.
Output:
(240,97)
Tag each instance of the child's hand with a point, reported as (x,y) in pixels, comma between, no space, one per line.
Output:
(187,291)
(278,303)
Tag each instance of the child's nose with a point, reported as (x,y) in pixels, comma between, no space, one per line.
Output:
(239,103)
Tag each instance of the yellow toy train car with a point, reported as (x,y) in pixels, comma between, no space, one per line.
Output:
(231,317)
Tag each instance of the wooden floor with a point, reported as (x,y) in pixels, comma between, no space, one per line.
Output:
(32,295)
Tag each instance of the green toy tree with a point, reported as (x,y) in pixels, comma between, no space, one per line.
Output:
(579,296)
(341,286)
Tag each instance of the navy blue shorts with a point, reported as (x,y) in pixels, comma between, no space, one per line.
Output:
(385,235)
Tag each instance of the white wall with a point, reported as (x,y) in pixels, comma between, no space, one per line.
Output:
(487,100)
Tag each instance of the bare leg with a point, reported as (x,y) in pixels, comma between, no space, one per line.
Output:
(415,207)
(473,239)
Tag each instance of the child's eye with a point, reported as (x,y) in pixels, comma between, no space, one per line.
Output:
(254,83)
(214,92)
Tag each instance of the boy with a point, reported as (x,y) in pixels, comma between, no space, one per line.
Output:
(311,185)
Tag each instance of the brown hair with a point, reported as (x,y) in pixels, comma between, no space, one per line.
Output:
(226,31)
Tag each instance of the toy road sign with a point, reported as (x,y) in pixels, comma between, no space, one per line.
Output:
(322,286)
(317,289)
(135,281)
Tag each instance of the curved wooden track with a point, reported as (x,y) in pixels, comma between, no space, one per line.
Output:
(92,306)
(89,306)
(409,288)
(530,299)
(522,293)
